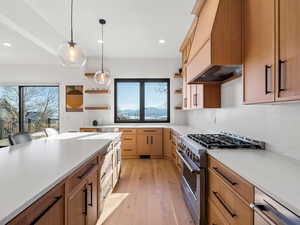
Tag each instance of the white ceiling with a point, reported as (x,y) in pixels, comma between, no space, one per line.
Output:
(35,28)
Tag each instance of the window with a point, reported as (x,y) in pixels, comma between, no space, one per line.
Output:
(28,109)
(142,100)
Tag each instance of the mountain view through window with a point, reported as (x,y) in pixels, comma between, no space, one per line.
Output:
(142,101)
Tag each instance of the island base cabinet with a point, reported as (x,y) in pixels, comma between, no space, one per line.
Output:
(92,207)
(77,208)
(49,210)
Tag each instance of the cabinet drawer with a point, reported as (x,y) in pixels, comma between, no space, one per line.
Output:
(214,215)
(230,205)
(51,207)
(80,174)
(128,139)
(149,131)
(128,150)
(88,129)
(128,130)
(240,185)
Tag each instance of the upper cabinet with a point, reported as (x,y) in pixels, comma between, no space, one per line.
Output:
(259,59)
(216,50)
(288,80)
(272,51)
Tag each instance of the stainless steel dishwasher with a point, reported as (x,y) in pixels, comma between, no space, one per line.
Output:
(270,212)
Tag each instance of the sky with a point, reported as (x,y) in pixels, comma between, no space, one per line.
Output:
(128,95)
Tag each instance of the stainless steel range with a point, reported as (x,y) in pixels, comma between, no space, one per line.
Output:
(192,151)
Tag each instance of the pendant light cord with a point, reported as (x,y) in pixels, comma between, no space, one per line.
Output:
(72,6)
(102,48)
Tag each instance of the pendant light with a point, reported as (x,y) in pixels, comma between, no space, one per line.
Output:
(70,54)
(102,77)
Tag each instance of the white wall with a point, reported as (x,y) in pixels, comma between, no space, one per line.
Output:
(120,68)
(276,124)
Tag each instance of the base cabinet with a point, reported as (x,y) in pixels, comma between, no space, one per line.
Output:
(79,199)
(48,210)
(77,206)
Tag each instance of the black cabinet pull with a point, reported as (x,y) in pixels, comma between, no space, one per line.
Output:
(86,172)
(281,62)
(151,140)
(224,204)
(36,220)
(223,175)
(196,99)
(91,194)
(85,202)
(147,139)
(267,68)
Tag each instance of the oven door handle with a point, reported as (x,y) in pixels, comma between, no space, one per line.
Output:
(188,162)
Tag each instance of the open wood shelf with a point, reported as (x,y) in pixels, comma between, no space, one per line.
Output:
(178,107)
(97,91)
(177,76)
(97,108)
(89,75)
(178,91)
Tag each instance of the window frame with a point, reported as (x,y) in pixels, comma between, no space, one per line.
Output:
(21,102)
(142,99)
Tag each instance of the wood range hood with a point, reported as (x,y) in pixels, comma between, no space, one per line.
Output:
(215,54)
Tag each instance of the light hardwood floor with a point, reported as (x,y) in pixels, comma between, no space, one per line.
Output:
(148,194)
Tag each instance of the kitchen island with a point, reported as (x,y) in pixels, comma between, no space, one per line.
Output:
(29,171)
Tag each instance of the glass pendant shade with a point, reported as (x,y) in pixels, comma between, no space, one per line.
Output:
(71,55)
(103,78)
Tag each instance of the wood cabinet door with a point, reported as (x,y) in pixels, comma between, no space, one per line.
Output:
(167,142)
(92,214)
(184,89)
(156,145)
(259,55)
(53,215)
(143,144)
(288,82)
(193,96)
(199,97)
(77,206)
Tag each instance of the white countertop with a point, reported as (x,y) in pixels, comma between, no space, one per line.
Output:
(275,174)
(29,171)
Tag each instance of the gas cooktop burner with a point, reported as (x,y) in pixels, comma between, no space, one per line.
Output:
(225,140)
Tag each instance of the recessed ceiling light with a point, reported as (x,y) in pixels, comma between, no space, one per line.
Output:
(162,41)
(7,44)
(100,41)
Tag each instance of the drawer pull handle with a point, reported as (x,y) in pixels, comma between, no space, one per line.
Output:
(85,202)
(91,194)
(103,175)
(86,172)
(127,139)
(149,130)
(36,220)
(224,204)
(127,150)
(226,178)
